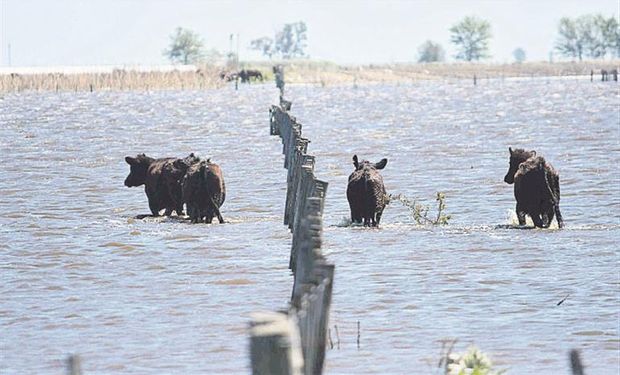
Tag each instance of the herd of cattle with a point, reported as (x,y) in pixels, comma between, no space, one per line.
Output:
(172,182)
(199,184)
(245,75)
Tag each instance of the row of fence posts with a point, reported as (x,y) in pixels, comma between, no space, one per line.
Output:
(294,341)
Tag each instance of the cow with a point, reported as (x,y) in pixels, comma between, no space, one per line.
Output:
(604,75)
(157,175)
(536,188)
(246,75)
(204,192)
(366,193)
(172,175)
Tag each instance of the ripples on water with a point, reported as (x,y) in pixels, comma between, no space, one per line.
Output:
(81,274)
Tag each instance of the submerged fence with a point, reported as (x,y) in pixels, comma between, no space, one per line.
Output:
(294,342)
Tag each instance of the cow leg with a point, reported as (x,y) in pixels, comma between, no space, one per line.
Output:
(379,214)
(520,215)
(154,206)
(366,222)
(168,211)
(538,223)
(547,217)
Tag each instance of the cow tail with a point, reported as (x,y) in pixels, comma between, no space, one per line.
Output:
(555,197)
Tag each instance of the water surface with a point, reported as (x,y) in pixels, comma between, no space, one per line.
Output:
(81,275)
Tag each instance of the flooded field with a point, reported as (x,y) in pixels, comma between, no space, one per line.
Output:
(79,274)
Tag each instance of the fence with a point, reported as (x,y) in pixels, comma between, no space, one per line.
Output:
(274,336)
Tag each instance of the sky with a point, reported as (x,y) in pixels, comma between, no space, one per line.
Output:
(102,32)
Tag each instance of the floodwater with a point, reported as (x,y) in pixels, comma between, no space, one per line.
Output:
(79,274)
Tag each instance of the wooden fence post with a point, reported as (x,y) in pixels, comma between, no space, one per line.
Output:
(74,365)
(275,345)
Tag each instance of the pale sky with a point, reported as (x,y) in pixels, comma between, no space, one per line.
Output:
(96,32)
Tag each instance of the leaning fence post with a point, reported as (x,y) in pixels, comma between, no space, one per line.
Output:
(275,347)
(575,363)
(74,365)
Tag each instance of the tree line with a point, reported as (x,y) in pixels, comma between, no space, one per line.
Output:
(592,35)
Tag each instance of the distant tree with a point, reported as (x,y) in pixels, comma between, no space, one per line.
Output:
(471,36)
(589,35)
(186,47)
(568,42)
(265,45)
(291,41)
(430,51)
(519,55)
(609,33)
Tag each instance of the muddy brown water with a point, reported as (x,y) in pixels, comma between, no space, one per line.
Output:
(79,274)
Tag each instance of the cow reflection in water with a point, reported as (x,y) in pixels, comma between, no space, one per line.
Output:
(366,193)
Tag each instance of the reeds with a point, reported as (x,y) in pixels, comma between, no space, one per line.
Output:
(203,78)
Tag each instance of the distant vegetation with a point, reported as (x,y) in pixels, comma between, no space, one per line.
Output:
(589,35)
(431,52)
(519,55)
(186,47)
(289,43)
(471,37)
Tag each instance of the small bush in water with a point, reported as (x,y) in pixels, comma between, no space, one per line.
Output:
(419,212)
(472,362)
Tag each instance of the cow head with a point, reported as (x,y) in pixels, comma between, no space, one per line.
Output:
(366,164)
(137,169)
(517,156)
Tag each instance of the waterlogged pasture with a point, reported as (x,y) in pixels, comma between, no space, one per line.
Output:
(79,274)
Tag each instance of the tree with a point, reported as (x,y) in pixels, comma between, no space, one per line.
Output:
(265,45)
(430,51)
(471,36)
(186,47)
(291,41)
(610,33)
(519,55)
(588,35)
(568,43)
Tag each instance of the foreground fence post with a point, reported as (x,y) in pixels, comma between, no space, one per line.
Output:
(74,365)
(274,345)
(575,363)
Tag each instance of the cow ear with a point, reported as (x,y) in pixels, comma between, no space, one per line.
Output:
(130,160)
(355,162)
(533,152)
(510,150)
(381,164)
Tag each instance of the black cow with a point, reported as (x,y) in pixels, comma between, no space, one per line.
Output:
(366,193)
(204,191)
(536,188)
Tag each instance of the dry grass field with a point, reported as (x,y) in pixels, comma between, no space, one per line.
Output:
(298,71)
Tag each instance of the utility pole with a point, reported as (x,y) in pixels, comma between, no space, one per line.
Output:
(237,51)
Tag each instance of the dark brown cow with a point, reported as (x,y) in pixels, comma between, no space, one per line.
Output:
(158,176)
(204,192)
(536,188)
(366,193)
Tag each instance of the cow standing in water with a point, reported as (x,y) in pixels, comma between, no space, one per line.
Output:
(366,193)
(536,188)
(204,192)
(172,175)
(159,177)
